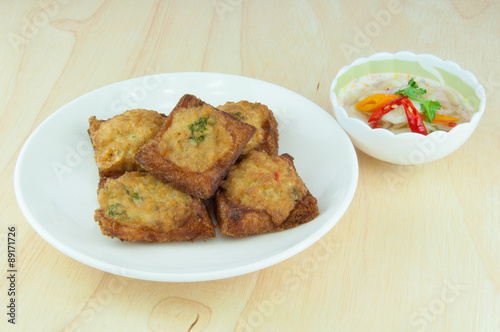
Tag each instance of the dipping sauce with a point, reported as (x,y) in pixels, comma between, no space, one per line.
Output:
(393,100)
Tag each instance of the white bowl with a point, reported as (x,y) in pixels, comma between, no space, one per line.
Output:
(408,148)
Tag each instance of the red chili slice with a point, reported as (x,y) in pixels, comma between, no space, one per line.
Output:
(377,115)
(414,119)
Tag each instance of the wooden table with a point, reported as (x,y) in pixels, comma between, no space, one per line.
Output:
(417,250)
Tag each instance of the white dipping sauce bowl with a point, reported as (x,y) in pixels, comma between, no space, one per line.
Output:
(408,148)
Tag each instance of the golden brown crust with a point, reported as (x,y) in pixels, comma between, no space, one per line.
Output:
(191,224)
(250,213)
(94,125)
(202,184)
(238,221)
(194,229)
(116,140)
(262,118)
(270,143)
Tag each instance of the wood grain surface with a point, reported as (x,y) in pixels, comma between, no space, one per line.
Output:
(417,250)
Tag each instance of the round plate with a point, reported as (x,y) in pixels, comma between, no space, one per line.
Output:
(56,179)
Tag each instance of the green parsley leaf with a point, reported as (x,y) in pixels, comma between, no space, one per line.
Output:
(199,126)
(430,107)
(193,140)
(238,116)
(296,194)
(112,211)
(136,198)
(414,92)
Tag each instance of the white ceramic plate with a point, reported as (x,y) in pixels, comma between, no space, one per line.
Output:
(56,179)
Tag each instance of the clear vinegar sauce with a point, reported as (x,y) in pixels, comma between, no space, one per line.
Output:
(452,102)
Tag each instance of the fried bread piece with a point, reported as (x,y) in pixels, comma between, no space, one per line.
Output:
(262,118)
(117,139)
(263,194)
(138,207)
(195,147)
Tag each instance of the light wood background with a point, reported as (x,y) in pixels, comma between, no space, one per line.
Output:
(417,250)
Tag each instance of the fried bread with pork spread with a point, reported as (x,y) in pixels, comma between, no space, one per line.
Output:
(263,194)
(117,139)
(138,207)
(262,118)
(195,147)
